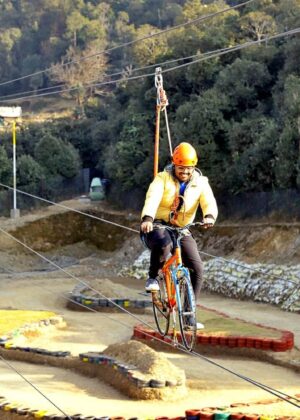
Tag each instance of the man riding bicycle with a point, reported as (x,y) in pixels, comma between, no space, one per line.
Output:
(173,198)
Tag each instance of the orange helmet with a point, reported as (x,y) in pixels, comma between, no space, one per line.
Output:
(185,155)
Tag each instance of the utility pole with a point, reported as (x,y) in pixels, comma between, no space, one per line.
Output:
(12,113)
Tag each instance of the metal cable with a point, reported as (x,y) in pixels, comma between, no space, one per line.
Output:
(238,47)
(126,44)
(69,208)
(33,386)
(179,346)
(133,70)
(137,231)
(247,379)
(124,79)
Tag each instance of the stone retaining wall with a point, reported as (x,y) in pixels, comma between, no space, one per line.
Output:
(269,283)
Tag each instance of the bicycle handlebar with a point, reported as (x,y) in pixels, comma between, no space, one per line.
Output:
(179,228)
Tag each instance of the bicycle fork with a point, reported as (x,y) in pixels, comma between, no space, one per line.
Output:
(174,334)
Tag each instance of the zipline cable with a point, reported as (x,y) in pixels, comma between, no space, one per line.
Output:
(33,386)
(137,231)
(126,44)
(266,388)
(120,73)
(142,76)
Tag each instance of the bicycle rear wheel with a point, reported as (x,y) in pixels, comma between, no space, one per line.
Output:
(187,312)
(161,308)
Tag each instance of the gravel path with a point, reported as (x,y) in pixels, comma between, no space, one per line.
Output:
(208,385)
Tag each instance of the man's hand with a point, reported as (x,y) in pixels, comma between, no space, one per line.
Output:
(208,222)
(146,227)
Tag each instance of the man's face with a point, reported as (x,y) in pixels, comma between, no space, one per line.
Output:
(184,173)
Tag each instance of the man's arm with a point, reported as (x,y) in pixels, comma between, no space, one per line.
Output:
(208,205)
(153,199)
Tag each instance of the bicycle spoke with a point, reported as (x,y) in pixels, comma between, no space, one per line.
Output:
(160,309)
(187,313)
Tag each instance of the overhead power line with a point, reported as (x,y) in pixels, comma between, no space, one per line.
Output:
(126,44)
(200,59)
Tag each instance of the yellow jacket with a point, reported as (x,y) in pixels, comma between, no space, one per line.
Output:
(163,190)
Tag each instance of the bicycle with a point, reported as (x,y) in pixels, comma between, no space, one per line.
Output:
(175,294)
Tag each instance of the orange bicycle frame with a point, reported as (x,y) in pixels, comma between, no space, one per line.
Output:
(175,259)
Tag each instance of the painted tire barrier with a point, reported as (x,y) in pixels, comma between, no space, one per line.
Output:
(221,416)
(99,303)
(286,342)
(16,410)
(10,346)
(129,371)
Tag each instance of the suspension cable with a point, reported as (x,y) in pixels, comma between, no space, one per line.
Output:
(121,73)
(33,386)
(69,208)
(266,388)
(126,44)
(142,76)
(137,231)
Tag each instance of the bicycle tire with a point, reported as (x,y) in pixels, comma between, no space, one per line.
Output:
(187,312)
(161,308)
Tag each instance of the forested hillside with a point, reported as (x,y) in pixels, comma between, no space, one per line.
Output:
(241,110)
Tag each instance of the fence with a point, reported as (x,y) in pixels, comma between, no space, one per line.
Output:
(53,188)
(283,204)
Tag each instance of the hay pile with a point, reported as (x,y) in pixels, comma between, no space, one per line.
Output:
(151,364)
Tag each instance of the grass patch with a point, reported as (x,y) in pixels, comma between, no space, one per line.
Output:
(220,325)
(11,320)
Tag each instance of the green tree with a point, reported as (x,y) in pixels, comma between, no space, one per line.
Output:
(258,25)
(70,161)
(288,147)
(287,155)
(245,133)
(244,83)
(29,172)
(78,74)
(76,24)
(5,167)
(8,40)
(252,164)
(129,162)
(202,123)
(57,156)
(148,51)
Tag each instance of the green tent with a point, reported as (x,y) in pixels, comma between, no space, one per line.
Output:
(96,190)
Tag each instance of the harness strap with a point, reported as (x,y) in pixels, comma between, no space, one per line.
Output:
(178,202)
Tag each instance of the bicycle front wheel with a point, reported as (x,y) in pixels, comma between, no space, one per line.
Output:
(161,308)
(187,312)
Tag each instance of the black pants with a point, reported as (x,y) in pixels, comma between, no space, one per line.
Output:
(161,244)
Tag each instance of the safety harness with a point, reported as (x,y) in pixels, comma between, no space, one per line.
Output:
(161,105)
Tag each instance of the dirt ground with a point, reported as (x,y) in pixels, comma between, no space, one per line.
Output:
(27,283)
